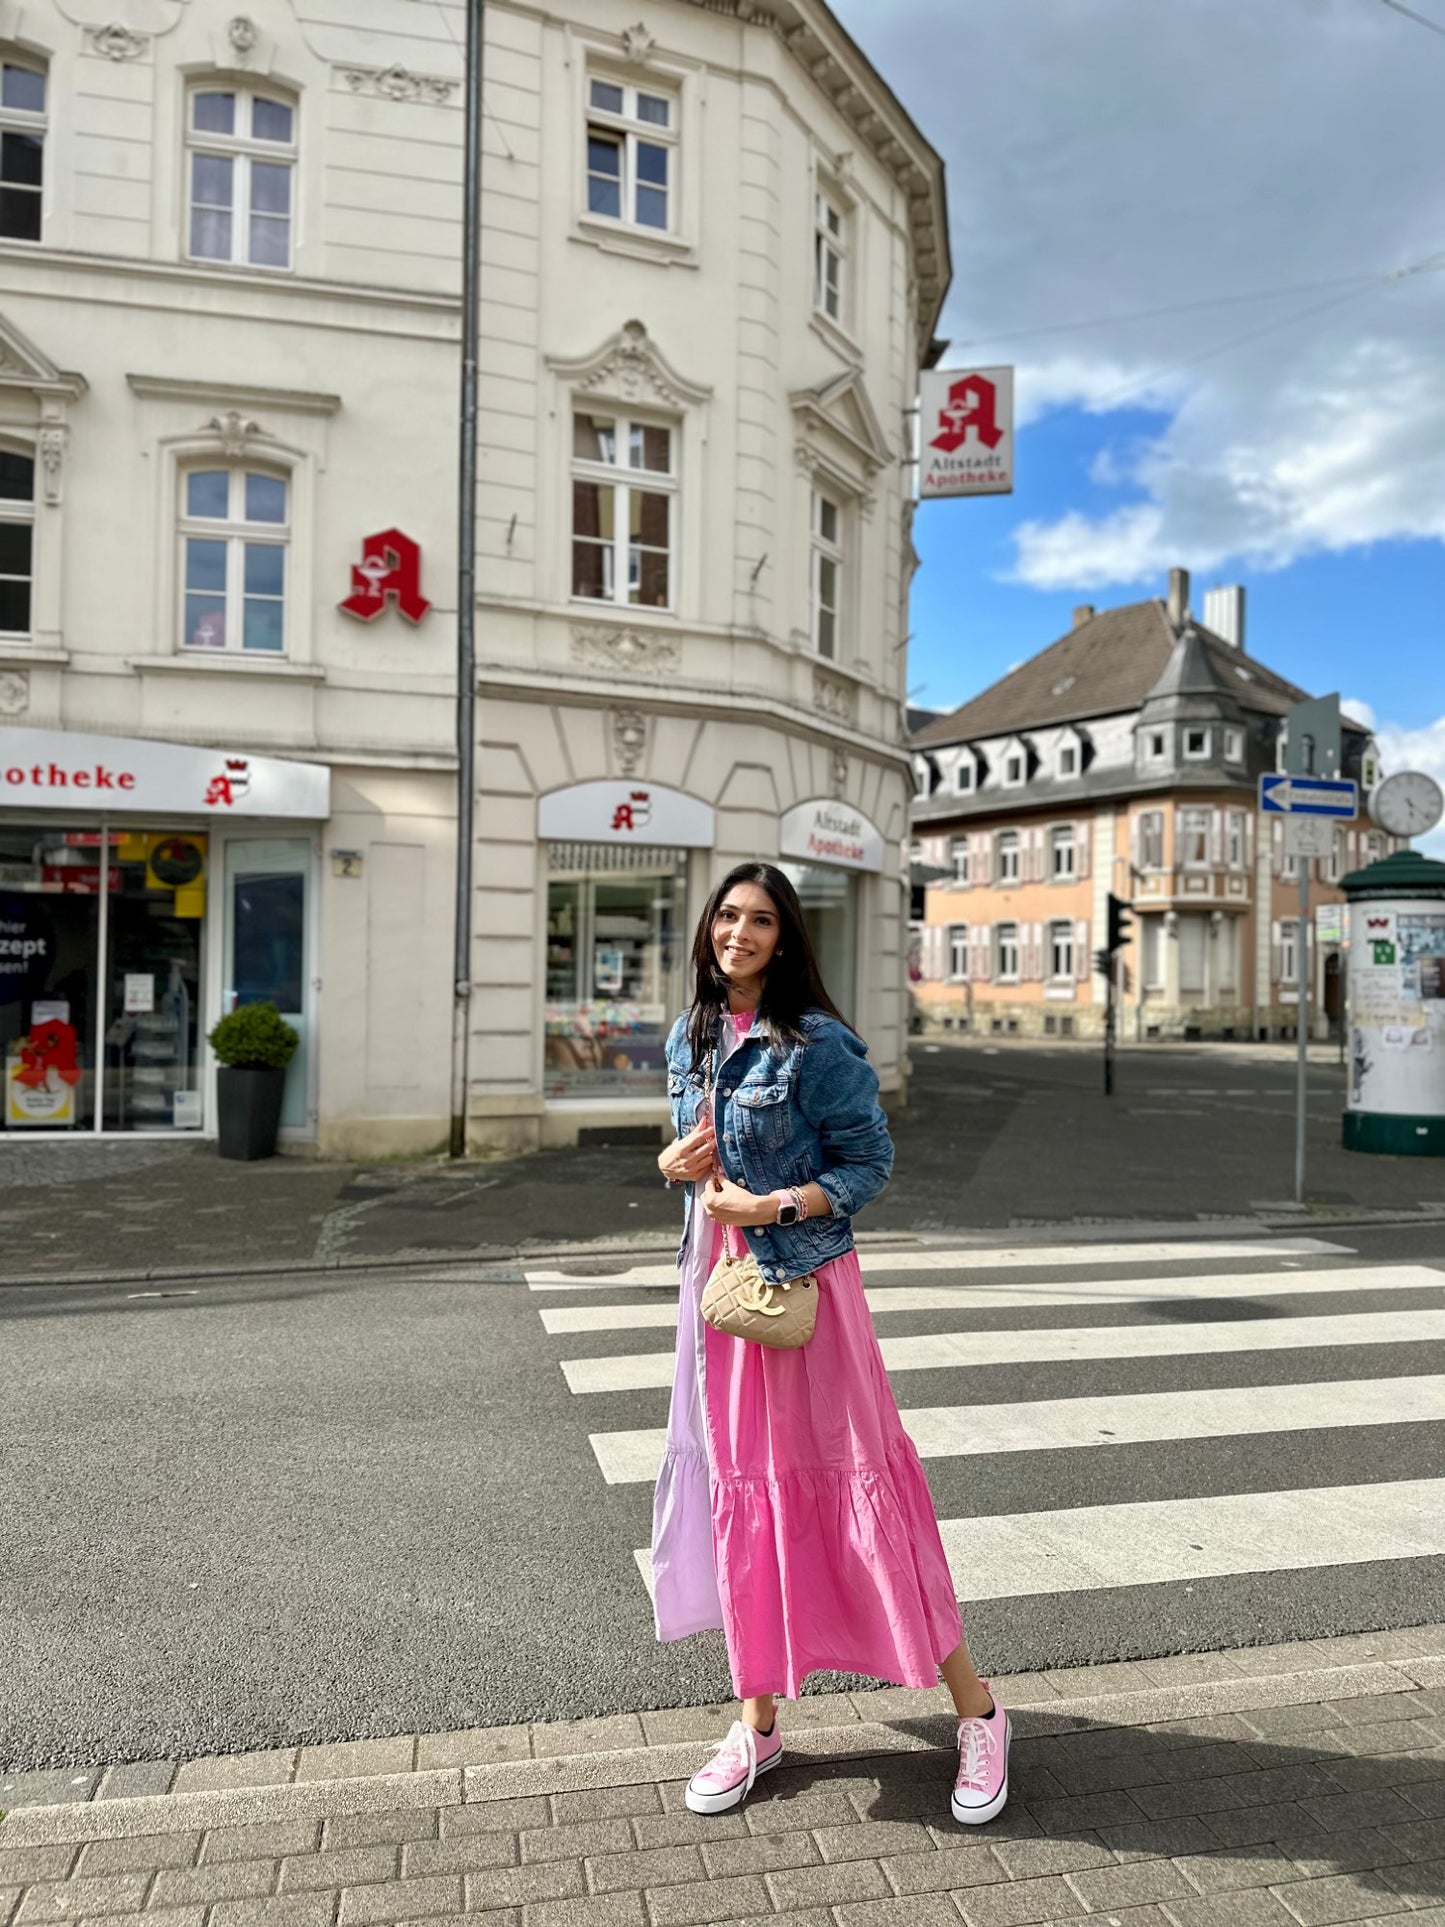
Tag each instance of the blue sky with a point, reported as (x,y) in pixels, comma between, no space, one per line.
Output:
(1208,235)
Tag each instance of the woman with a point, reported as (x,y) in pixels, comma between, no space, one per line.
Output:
(791,1508)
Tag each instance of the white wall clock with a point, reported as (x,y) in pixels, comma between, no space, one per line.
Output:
(1408,803)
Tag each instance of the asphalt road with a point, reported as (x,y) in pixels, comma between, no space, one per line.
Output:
(267,1512)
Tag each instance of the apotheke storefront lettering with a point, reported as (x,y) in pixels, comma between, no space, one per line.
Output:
(828,832)
(56,770)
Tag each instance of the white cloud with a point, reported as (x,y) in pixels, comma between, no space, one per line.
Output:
(1114,159)
(1358,711)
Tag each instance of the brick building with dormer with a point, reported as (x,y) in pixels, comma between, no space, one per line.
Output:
(1124,758)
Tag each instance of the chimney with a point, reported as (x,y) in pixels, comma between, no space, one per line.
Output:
(1224,614)
(1084,613)
(1178,596)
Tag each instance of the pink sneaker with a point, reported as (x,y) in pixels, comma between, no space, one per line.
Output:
(981,1789)
(727,1780)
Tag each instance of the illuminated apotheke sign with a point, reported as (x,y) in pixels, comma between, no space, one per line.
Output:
(51,769)
(626,812)
(827,832)
(389,572)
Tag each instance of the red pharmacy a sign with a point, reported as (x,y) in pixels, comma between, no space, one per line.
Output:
(389,572)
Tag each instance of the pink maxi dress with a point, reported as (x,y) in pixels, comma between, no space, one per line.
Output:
(791,1509)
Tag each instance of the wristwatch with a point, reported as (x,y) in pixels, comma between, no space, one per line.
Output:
(790,1207)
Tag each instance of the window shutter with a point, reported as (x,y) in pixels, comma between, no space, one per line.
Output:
(1276,951)
(1041,855)
(933,963)
(980,858)
(1216,839)
(978,955)
(1136,842)
(1083,964)
(1081,848)
(1036,952)
(965,844)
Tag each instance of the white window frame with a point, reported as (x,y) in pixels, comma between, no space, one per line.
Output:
(1151,945)
(1151,823)
(630,132)
(623,479)
(16,513)
(238,535)
(1191,820)
(1156,745)
(1007,844)
(827,552)
(1234,745)
(963,775)
(1002,943)
(957,952)
(1015,759)
(1334,864)
(1234,839)
(1061,947)
(1201,754)
(244,151)
(1063,842)
(922,776)
(21,120)
(1069,751)
(959,854)
(831,248)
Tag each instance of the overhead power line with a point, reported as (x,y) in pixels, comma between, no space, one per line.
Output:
(1421,19)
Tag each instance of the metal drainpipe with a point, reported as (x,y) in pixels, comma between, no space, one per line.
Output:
(467,579)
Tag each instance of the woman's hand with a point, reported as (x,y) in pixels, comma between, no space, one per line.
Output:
(728,1203)
(689,1158)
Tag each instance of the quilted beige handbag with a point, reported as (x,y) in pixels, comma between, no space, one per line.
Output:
(739,1300)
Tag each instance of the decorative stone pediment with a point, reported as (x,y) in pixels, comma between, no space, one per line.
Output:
(625,652)
(398,83)
(630,367)
(23,365)
(841,414)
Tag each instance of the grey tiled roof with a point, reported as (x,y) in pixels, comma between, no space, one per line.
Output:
(1108,665)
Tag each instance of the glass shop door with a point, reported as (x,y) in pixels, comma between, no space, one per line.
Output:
(266,957)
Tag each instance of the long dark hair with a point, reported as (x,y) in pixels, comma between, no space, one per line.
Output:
(793,983)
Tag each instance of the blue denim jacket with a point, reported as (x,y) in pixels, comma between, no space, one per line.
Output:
(805,1113)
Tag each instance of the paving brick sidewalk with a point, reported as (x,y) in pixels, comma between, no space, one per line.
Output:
(1291,1786)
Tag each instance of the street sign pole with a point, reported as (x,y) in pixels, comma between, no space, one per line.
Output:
(1301,1093)
(1109,1025)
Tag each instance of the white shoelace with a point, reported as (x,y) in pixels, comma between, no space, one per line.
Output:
(740,1748)
(977,1744)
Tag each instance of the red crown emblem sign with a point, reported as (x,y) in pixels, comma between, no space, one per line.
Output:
(634,813)
(1377,923)
(237,763)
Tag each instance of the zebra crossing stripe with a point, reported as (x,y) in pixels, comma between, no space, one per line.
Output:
(1089,1291)
(1160,1541)
(940,1350)
(958,1431)
(984,1258)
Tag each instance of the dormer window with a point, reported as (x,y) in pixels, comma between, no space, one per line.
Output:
(1068,759)
(1234,745)
(1013,769)
(1196,744)
(1155,746)
(963,777)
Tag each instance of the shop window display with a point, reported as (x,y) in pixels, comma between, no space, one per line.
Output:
(614,967)
(100,949)
(830,910)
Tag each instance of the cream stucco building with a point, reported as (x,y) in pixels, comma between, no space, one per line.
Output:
(713,255)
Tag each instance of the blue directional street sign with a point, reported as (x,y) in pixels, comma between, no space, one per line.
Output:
(1308,796)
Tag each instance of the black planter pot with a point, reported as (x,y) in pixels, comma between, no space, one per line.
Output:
(248,1100)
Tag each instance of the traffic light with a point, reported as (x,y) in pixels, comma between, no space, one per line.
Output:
(1120,923)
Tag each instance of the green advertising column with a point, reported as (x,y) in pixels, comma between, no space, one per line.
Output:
(1396,1000)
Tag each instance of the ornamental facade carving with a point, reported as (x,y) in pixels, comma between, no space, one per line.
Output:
(625,652)
(398,83)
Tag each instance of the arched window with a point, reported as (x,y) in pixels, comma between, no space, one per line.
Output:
(241,175)
(235,526)
(17,541)
(22,146)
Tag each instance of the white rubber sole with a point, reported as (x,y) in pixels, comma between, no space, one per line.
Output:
(734,1796)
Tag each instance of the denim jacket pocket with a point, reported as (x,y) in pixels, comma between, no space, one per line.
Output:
(764,1117)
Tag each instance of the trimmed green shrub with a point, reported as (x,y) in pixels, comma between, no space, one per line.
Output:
(254,1037)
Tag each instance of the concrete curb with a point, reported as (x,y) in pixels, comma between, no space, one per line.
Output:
(513,1257)
(1038,1709)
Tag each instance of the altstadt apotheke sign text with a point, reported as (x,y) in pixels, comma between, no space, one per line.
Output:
(827,832)
(965,432)
(92,776)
